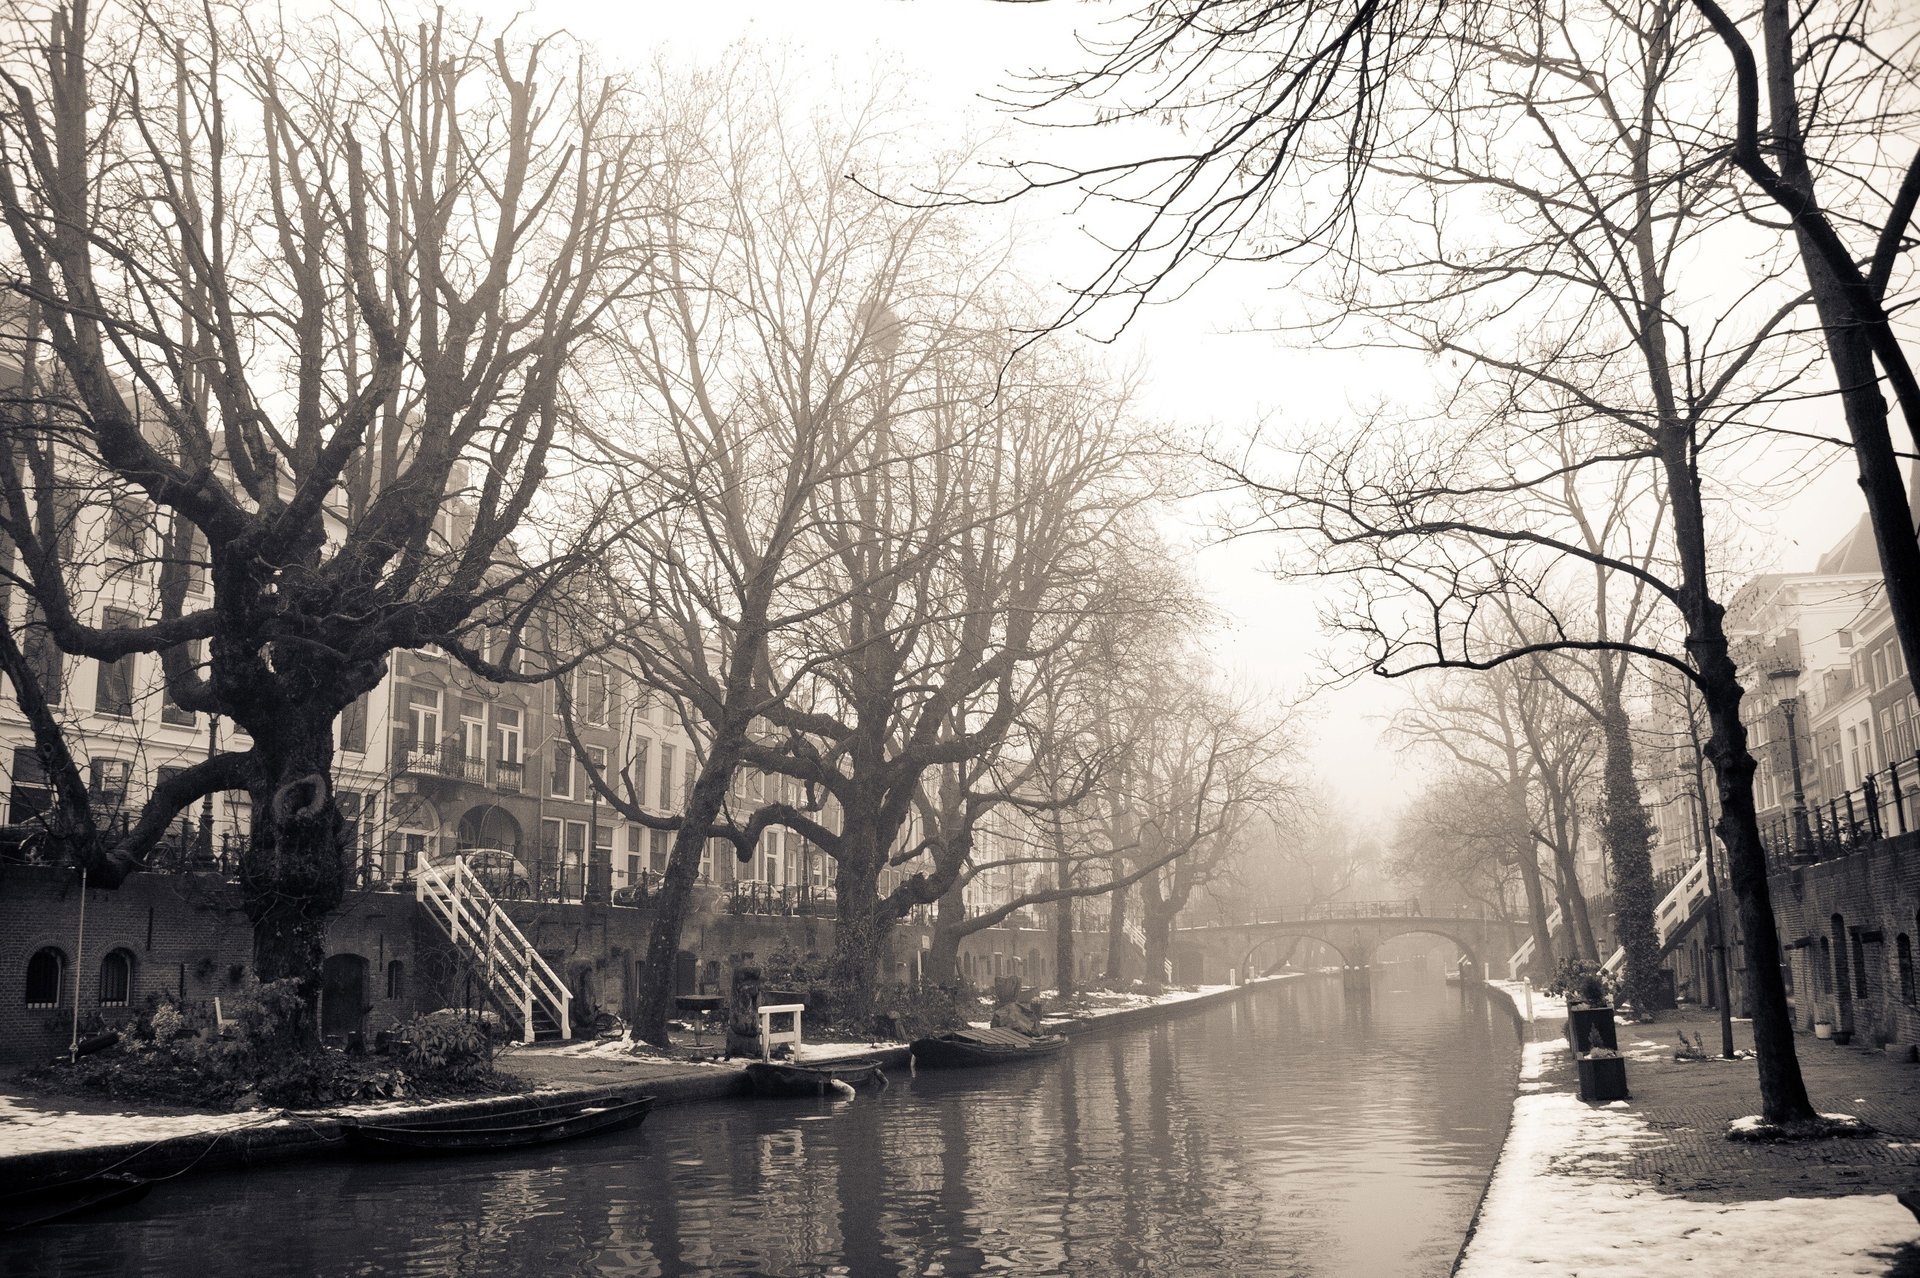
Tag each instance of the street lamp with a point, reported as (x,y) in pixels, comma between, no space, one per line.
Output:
(1786,684)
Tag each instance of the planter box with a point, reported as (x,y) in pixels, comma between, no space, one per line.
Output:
(1583,1022)
(1603,1078)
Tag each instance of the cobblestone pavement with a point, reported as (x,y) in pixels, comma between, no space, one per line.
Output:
(1691,1103)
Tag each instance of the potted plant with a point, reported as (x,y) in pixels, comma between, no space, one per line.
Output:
(1603,1072)
(1581,982)
(1823,1028)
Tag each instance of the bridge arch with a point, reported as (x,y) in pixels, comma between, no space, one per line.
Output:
(1352,930)
(1358,949)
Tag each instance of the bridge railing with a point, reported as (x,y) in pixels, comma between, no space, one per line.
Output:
(1410,907)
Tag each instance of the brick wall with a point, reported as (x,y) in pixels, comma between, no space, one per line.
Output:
(186,936)
(1876,896)
(183,934)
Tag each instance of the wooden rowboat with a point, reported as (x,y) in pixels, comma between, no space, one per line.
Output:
(982,1047)
(49,1203)
(792,1078)
(509,1130)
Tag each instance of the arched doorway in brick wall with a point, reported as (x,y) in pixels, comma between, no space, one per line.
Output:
(343,995)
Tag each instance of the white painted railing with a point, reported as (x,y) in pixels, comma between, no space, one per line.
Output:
(512,971)
(1524,955)
(1681,902)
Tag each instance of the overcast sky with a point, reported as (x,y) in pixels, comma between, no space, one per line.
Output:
(1200,371)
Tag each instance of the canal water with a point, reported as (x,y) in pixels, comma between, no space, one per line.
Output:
(1301,1130)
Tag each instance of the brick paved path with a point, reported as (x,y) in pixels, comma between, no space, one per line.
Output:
(1692,1103)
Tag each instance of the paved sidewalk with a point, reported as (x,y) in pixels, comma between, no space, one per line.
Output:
(1650,1184)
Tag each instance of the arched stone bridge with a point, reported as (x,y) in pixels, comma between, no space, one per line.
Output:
(1352,929)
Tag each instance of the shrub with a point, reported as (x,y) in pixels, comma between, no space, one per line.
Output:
(448,1047)
(1579,980)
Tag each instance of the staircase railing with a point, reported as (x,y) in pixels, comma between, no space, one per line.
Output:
(1682,901)
(1524,955)
(514,974)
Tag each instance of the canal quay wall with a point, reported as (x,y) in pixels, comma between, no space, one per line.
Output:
(241,1140)
(185,937)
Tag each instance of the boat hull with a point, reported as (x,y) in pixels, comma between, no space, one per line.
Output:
(784,1078)
(397,1140)
(970,1048)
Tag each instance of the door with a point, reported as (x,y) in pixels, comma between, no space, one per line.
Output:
(343,995)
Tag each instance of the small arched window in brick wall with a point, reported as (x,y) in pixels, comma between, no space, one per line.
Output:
(45,971)
(116,979)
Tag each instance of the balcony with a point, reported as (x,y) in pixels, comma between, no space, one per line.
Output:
(438,761)
(509,778)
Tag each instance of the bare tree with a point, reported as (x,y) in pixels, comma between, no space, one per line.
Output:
(319,296)
(790,317)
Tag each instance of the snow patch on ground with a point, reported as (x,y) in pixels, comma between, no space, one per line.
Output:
(26,1128)
(1557,1204)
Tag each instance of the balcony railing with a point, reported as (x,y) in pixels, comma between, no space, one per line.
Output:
(509,778)
(1884,804)
(750,896)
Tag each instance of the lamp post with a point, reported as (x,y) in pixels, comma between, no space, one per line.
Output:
(1786,684)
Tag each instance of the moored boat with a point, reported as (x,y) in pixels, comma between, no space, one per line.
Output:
(503,1130)
(795,1078)
(47,1203)
(982,1047)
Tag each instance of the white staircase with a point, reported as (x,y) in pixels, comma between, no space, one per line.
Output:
(1676,909)
(519,981)
(1524,955)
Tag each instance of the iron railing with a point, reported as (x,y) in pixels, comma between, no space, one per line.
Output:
(1884,804)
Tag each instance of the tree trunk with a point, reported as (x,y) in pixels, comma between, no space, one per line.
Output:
(1543,957)
(942,963)
(1064,982)
(1158,926)
(1116,973)
(654,1003)
(860,930)
(1628,838)
(293,874)
(1783,1092)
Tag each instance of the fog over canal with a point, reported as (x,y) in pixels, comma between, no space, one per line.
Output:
(1302,1130)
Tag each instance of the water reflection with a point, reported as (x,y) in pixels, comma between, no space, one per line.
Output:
(1306,1131)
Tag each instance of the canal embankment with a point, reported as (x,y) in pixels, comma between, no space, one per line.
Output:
(1650,1184)
(49,1138)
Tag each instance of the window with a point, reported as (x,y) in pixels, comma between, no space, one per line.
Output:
(637,765)
(473,731)
(31,794)
(506,729)
(353,725)
(107,782)
(423,717)
(1903,957)
(560,773)
(199,563)
(658,850)
(352,807)
(594,681)
(633,871)
(116,979)
(396,979)
(666,776)
(127,520)
(170,710)
(113,692)
(45,971)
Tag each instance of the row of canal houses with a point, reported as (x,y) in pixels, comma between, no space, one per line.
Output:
(1834,727)
(433,763)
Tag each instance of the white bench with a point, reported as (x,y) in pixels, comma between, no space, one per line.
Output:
(769,1037)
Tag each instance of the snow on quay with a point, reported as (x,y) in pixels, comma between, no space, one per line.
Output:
(1557,1204)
